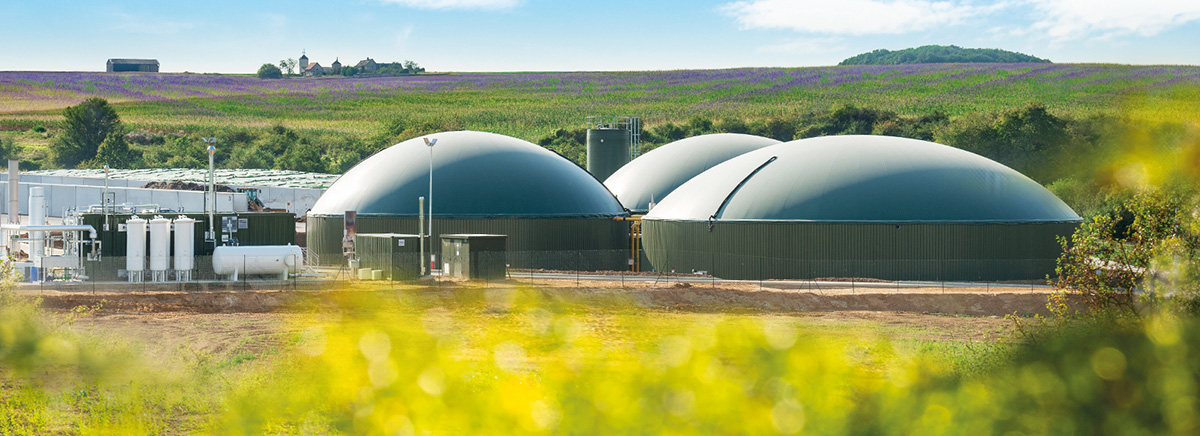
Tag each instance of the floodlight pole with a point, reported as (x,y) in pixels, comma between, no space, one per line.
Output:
(212,190)
(430,142)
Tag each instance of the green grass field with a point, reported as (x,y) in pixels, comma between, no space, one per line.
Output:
(519,361)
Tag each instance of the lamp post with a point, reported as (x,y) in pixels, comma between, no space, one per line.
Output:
(104,199)
(430,142)
(212,190)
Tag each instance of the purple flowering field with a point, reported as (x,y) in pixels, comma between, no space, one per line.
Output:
(528,104)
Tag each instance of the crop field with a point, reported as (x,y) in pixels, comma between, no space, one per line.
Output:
(531,105)
(1117,143)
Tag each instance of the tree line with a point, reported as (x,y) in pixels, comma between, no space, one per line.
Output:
(939,54)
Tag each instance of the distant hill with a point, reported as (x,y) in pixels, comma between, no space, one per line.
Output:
(940,54)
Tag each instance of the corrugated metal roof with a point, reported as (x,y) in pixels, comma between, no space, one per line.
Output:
(863,179)
(475,174)
(135,61)
(655,174)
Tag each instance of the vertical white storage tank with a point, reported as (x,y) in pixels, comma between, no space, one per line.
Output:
(160,248)
(37,240)
(135,248)
(185,260)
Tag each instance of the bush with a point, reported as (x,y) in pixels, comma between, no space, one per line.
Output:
(269,71)
(8,150)
(301,157)
(250,157)
(115,153)
(1157,255)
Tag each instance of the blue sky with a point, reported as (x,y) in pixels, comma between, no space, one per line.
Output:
(230,36)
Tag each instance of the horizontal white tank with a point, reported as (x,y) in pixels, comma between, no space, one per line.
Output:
(160,244)
(257,259)
(135,244)
(185,238)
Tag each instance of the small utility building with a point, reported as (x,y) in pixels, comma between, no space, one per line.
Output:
(132,65)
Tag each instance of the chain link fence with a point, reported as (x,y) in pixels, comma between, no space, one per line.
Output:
(580,268)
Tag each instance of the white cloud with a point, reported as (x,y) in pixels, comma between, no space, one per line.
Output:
(806,46)
(1079,19)
(403,35)
(456,4)
(851,17)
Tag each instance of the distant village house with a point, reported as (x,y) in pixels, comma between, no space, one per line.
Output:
(366,66)
(132,65)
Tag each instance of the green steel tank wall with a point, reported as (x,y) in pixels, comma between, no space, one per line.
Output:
(551,243)
(799,250)
(262,228)
(607,151)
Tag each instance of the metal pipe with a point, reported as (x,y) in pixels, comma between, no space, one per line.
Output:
(51,228)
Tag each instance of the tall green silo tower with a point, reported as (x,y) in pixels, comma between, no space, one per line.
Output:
(611,143)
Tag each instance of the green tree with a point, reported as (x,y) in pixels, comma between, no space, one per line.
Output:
(269,71)
(85,127)
(115,153)
(8,150)
(288,65)
(301,157)
(250,157)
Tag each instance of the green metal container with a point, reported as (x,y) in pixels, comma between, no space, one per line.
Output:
(607,151)
(474,256)
(586,244)
(247,228)
(397,255)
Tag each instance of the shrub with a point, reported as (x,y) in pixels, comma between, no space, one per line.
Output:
(269,71)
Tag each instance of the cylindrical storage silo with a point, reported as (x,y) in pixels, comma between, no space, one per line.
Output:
(37,217)
(185,236)
(278,260)
(160,248)
(607,151)
(135,248)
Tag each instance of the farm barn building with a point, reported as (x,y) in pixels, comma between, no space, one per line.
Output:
(555,214)
(132,65)
(859,206)
(652,176)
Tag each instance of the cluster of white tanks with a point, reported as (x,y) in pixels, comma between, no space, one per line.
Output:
(229,261)
(160,248)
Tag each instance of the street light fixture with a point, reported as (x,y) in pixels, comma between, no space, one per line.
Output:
(212,189)
(430,142)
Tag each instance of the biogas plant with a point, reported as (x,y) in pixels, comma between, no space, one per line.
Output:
(479,205)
